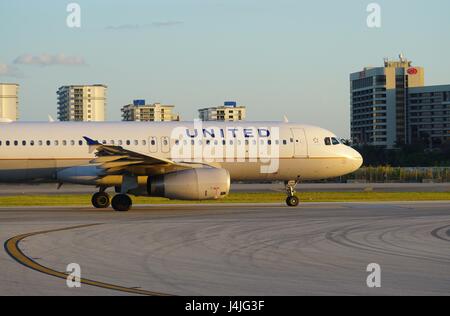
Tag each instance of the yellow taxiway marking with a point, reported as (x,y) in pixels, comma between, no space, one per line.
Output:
(13,249)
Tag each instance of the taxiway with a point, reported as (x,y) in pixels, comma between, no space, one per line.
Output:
(268,249)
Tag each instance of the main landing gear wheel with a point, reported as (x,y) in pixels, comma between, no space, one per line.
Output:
(121,202)
(292,200)
(100,200)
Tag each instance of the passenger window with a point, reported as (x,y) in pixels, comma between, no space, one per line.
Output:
(104,142)
(144,143)
(177,142)
(152,142)
(327,141)
(72,142)
(64,142)
(32,142)
(80,142)
(120,142)
(335,141)
(284,142)
(24,143)
(136,142)
(16,143)
(56,143)
(7,143)
(40,143)
(269,142)
(128,142)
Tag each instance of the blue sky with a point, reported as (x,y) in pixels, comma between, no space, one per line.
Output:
(275,57)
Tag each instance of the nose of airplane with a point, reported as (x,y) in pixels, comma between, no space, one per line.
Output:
(354,158)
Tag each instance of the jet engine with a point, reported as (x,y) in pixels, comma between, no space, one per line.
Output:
(191,184)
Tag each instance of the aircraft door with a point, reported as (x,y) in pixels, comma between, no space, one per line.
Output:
(300,143)
(165,144)
(153,144)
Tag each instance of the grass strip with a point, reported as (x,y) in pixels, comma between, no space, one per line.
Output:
(271,197)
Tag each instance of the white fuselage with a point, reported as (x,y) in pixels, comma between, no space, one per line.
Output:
(35,152)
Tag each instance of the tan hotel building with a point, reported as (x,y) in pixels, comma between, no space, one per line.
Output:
(391,106)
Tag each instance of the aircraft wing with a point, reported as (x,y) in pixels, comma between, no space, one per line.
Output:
(116,160)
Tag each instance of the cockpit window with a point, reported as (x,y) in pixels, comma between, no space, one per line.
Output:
(335,141)
(327,141)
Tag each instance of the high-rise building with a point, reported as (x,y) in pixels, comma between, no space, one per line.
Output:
(429,115)
(9,101)
(391,106)
(379,102)
(229,111)
(140,111)
(82,103)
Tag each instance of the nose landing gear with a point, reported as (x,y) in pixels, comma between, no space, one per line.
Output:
(292,200)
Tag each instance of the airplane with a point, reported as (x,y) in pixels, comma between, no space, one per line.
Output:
(176,160)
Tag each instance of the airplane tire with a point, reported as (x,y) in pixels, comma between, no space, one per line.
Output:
(121,202)
(100,200)
(292,201)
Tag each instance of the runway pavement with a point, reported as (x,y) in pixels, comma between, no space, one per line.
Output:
(270,249)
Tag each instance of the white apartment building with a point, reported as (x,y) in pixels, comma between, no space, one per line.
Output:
(229,111)
(140,111)
(82,103)
(9,101)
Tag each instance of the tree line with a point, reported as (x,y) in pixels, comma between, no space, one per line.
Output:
(416,155)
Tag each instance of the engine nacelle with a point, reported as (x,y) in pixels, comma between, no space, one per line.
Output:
(191,184)
(87,174)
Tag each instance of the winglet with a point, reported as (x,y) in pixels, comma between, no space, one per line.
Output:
(285,119)
(91,142)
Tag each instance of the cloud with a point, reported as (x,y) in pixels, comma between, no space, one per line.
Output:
(141,26)
(9,71)
(124,27)
(166,23)
(49,60)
